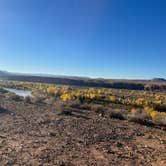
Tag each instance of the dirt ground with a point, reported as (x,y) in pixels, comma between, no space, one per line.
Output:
(38,135)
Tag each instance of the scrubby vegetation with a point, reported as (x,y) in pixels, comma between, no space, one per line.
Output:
(82,125)
(151,85)
(134,105)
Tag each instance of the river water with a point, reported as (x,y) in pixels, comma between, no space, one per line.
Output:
(23,93)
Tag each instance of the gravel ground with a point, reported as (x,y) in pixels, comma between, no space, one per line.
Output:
(41,136)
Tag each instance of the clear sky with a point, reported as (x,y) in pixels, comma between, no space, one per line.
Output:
(97,38)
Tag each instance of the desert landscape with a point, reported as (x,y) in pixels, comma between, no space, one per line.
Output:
(67,126)
(82,83)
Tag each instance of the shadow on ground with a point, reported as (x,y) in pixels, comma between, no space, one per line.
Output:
(5,111)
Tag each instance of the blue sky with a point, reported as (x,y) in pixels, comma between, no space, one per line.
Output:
(97,38)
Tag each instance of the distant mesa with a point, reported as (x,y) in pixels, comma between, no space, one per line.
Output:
(153,84)
(2,73)
(159,79)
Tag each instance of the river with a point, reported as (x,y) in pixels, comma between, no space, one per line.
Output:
(23,93)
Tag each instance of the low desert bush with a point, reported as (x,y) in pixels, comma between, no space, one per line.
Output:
(113,99)
(142,121)
(139,117)
(37,99)
(50,100)
(147,116)
(74,103)
(158,117)
(117,114)
(159,107)
(97,108)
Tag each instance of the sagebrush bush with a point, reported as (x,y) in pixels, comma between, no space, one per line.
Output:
(117,114)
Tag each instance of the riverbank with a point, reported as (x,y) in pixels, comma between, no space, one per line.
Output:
(21,93)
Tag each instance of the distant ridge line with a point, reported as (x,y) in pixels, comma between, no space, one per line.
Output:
(154,84)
